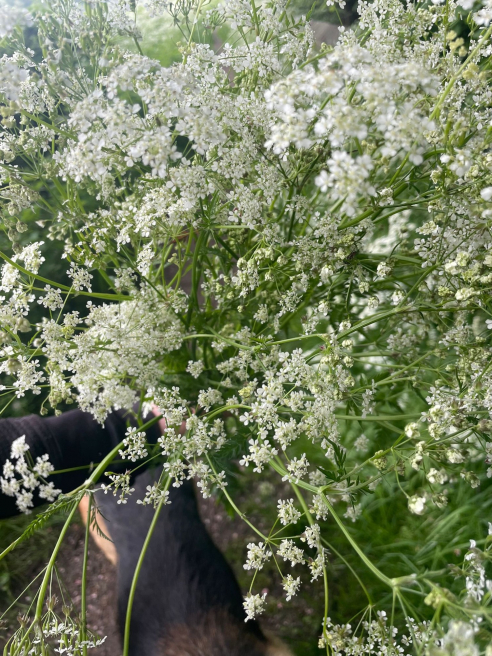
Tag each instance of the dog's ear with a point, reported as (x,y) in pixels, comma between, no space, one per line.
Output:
(99,530)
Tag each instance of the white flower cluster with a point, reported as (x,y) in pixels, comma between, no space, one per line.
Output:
(12,17)
(300,240)
(155,496)
(287,512)
(21,477)
(126,339)
(254,605)
(290,553)
(65,635)
(378,636)
(120,485)
(134,445)
(258,554)
(291,586)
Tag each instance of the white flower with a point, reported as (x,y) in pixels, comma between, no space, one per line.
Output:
(8,469)
(471,478)
(52,300)
(134,445)
(319,508)
(316,566)
(195,368)
(43,467)
(12,17)
(353,512)
(10,487)
(416,504)
(312,536)
(459,639)
(22,489)
(23,500)
(208,398)
(289,552)
(361,443)
(346,179)
(484,16)
(257,556)
(397,297)
(254,605)
(412,430)
(384,269)
(144,259)
(259,453)
(297,469)
(19,447)
(287,512)
(436,476)
(261,314)
(454,456)
(291,586)
(155,496)
(80,277)
(120,483)
(48,491)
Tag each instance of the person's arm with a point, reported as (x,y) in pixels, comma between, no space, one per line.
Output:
(71,440)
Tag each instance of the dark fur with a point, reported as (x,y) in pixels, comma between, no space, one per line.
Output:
(213,634)
(187,599)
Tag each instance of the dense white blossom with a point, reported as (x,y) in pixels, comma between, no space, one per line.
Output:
(285,249)
(254,605)
(287,512)
(31,477)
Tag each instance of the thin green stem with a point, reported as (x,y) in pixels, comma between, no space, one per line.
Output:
(236,509)
(382,577)
(131,596)
(325,573)
(51,563)
(83,602)
(456,77)
(64,288)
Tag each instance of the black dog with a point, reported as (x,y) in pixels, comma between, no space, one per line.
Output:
(187,600)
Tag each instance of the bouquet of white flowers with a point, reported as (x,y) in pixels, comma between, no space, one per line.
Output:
(287,248)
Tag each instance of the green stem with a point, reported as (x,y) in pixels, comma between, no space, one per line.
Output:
(83,610)
(51,563)
(382,577)
(378,417)
(195,275)
(64,288)
(236,509)
(131,597)
(455,78)
(349,566)
(195,21)
(325,574)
